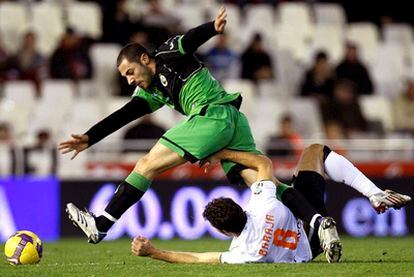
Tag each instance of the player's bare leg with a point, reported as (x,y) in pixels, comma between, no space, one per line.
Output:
(158,160)
(312,161)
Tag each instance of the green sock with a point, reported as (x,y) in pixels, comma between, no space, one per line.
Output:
(138,181)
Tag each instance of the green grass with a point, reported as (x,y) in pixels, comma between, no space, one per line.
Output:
(75,257)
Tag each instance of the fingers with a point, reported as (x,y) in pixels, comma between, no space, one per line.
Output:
(75,154)
(222,12)
(67,151)
(207,167)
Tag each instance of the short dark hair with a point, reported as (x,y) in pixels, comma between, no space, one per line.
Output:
(131,52)
(321,55)
(225,215)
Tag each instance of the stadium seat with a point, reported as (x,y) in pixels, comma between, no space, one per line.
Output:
(399,33)
(328,38)
(248,91)
(307,117)
(272,89)
(13,24)
(378,107)
(47,22)
(289,72)
(264,120)
(290,39)
(259,17)
(22,92)
(297,13)
(366,36)
(330,14)
(296,26)
(90,13)
(103,56)
(190,15)
(16,115)
(136,8)
(389,70)
(53,107)
(83,115)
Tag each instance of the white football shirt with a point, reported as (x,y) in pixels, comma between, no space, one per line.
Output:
(272,233)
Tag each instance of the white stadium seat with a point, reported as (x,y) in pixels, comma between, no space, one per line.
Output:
(13,24)
(247,89)
(295,29)
(328,38)
(16,115)
(399,33)
(81,116)
(295,13)
(389,70)
(259,18)
(22,92)
(190,15)
(365,35)
(289,71)
(377,107)
(86,18)
(103,56)
(330,14)
(307,117)
(53,107)
(47,22)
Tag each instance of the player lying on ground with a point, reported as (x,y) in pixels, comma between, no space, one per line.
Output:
(172,76)
(267,231)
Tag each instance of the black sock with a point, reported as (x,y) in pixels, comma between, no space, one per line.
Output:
(125,196)
(299,206)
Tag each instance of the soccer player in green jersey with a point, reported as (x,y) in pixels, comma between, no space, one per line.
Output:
(173,76)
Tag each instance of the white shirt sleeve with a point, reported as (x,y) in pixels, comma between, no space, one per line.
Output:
(233,257)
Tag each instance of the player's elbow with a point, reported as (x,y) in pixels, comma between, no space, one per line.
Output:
(265,167)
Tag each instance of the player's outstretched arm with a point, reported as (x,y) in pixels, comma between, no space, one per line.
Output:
(132,110)
(195,37)
(141,246)
(260,163)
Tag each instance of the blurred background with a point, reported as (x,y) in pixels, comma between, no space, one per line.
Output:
(335,72)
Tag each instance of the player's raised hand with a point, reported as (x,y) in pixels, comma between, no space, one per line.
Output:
(141,246)
(78,143)
(220,21)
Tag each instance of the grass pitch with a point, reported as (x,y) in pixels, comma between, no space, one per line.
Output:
(75,257)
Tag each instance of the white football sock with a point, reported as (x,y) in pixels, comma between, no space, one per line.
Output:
(339,169)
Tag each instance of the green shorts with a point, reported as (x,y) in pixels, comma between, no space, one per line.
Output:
(216,128)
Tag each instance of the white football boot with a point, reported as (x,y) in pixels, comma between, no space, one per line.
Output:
(388,199)
(330,242)
(86,222)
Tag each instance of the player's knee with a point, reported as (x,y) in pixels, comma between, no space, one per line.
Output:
(315,149)
(145,167)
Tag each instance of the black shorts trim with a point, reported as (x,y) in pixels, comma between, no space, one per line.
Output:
(187,155)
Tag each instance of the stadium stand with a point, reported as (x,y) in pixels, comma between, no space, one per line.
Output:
(292,31)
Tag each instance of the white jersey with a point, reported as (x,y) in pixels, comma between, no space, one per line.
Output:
(272,233)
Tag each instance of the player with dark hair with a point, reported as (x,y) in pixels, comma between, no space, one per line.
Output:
(172,76)
(268,231)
